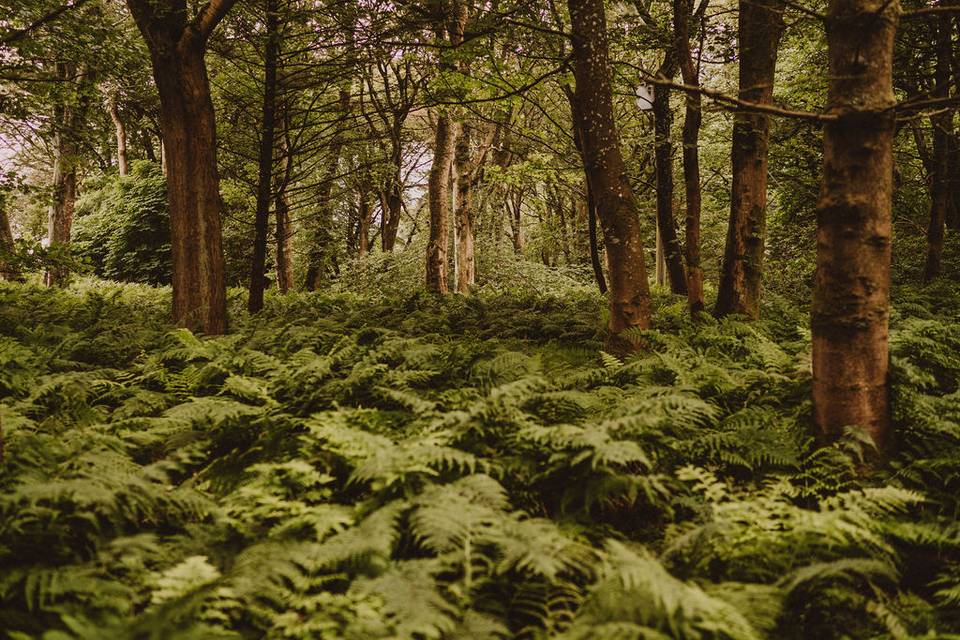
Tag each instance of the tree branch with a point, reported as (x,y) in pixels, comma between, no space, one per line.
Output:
(210,16)
(19,34)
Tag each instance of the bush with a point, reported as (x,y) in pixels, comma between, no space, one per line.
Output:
(123,227)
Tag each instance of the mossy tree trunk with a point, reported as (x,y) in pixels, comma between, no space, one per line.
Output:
(760,30)
(604,165)
(852,283)
(177,44)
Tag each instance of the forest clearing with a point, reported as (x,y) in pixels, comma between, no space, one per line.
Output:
(459,320)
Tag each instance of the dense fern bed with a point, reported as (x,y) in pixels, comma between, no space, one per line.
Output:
(345,467)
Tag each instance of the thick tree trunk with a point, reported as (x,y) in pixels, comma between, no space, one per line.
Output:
(852,284)
(669,245)
(121,133)
(177,45)
(193,191)
(445,140)
(760,29)
(942,123)
(265,178)
(603,162)
(953,176)
(321,249)
(691,156)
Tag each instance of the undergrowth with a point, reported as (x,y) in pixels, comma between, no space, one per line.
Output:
(347,467)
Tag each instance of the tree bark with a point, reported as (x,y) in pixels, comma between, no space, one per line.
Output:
(953,141)
(452,21)
(8,267)
(321,248)
(365,211)
(953,180)
(177,46)
(265,178)
(514,209)
(682,10)
(284,243)
(68,121)
(603,162)
(393,197)
(121,133)
(470,164)
(284,231)
(760,29)
(591,201)
(594,244)
(148,151)
(942,123)
(439,201)
(669,245)
(852,284)
(466,173)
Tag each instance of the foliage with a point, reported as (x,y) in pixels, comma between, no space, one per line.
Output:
(123,227)
(350,467)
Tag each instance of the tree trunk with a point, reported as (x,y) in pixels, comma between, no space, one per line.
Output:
(942,123)
(852,284)
(8,267)
(284,243)
(393,197)
(594,244)
(265,179)
(121,133)
(466,276)
(660,255)
(953,142)
(591,201)
(953,179)
(363,226)
(148,151)
(177,46)
(469,168)
(439,200)
(760,28)
(68,121)
(284,232)
(60,217)
(452,21)
(669,246)
(515,206)
(690,72)
(603,162)
(321,249)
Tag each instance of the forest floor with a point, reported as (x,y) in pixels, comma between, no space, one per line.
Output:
(355,467)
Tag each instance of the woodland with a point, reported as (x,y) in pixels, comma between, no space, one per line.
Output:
(463,320)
